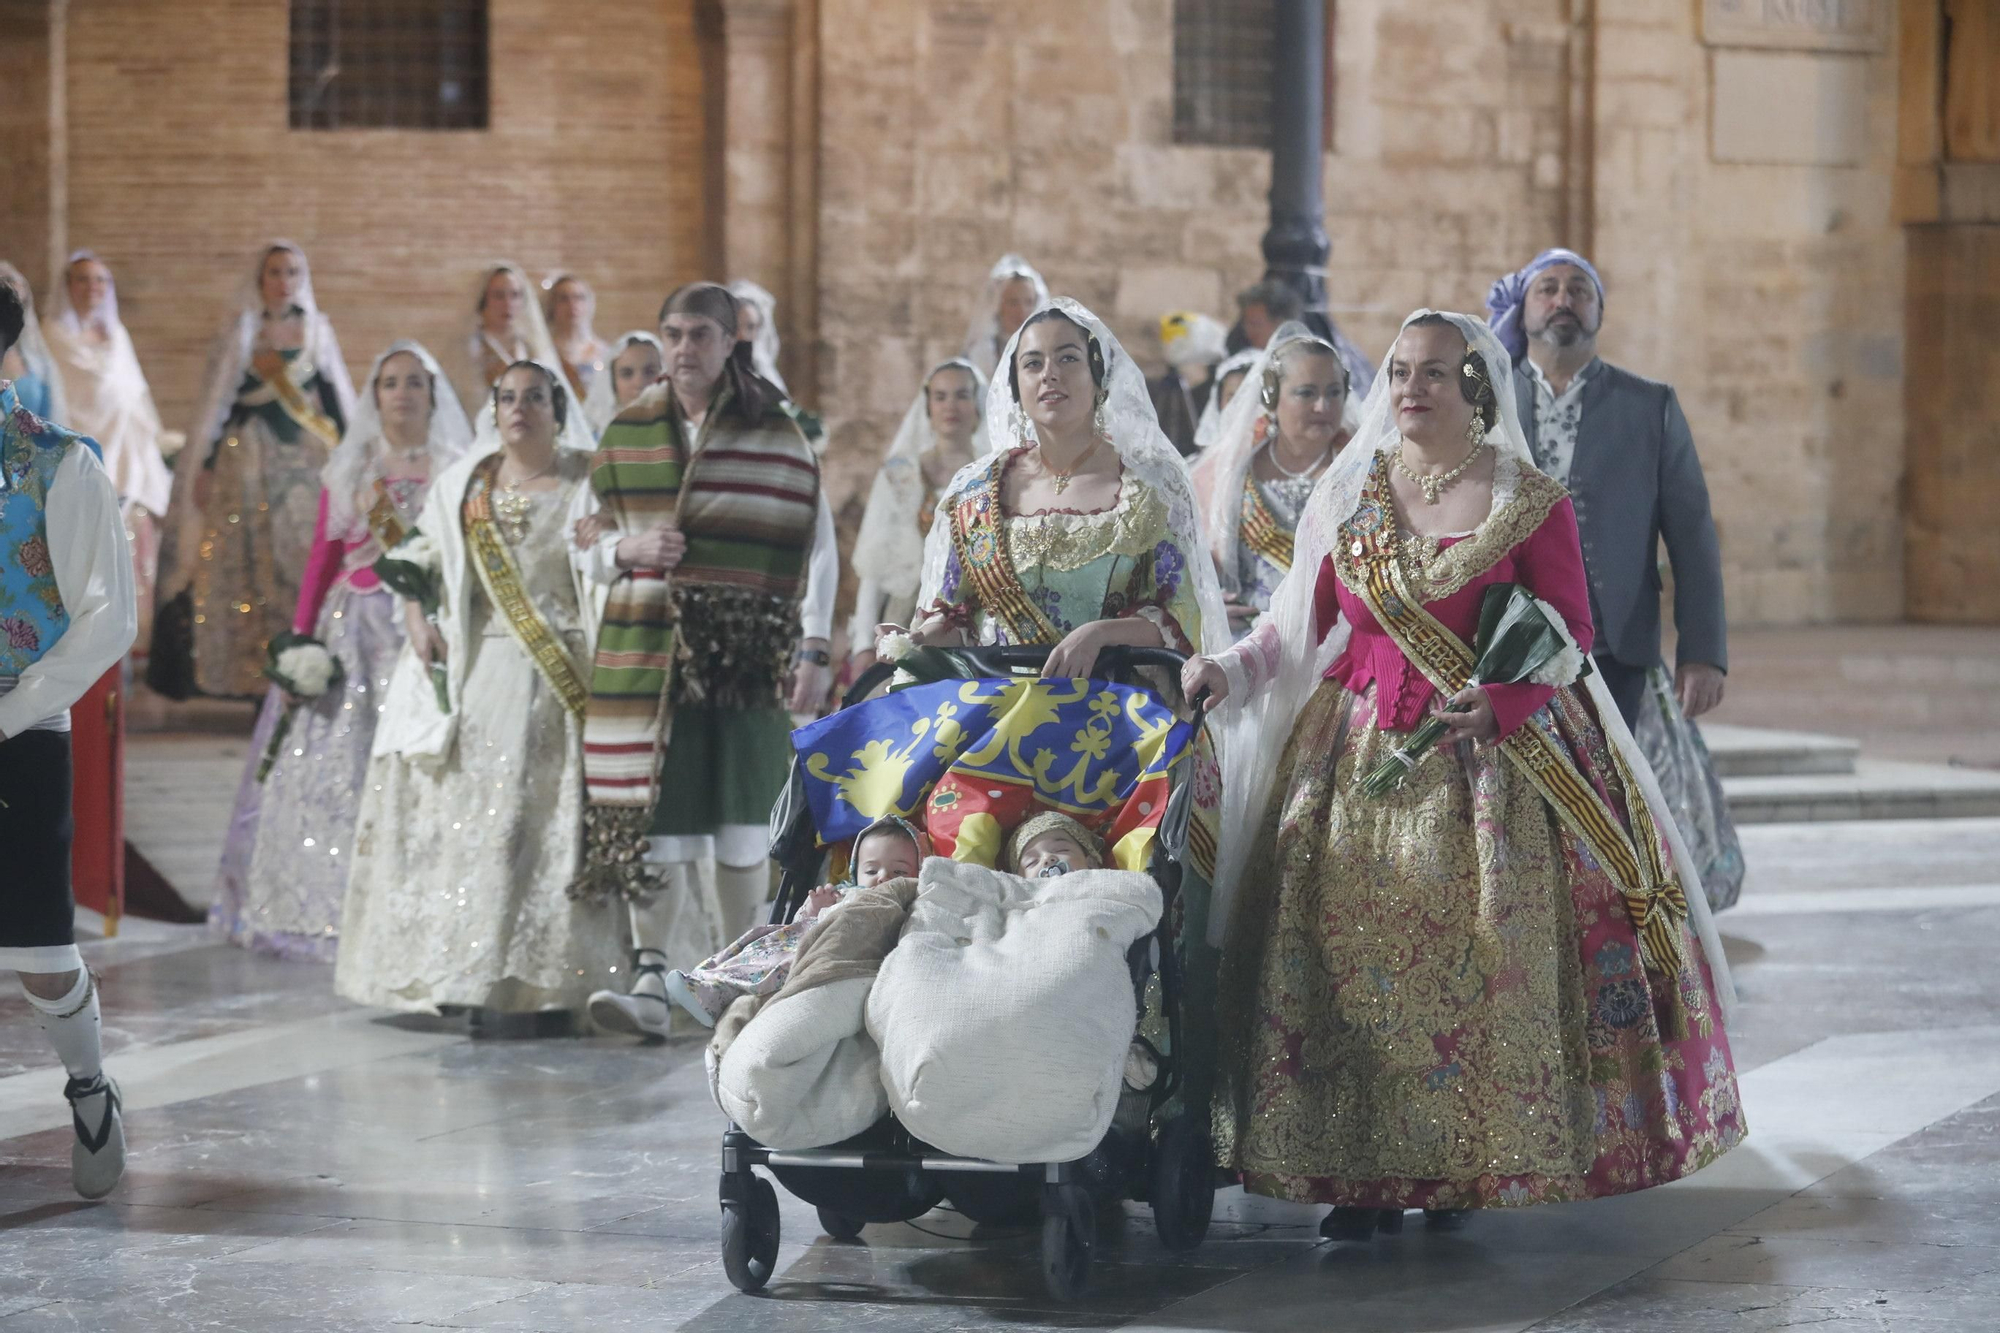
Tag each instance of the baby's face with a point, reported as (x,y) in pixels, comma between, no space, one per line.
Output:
(1051,854)
(882,857)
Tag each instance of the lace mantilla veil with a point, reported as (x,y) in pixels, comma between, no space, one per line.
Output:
(358,460)
(982,333)
(887,548)
(1220,469)
(33,348)
(1257,726)
(601,403)
(1142,447)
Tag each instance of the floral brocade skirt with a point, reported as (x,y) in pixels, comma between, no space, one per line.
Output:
(1435,999)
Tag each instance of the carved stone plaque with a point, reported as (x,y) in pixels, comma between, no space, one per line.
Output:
(1797,25)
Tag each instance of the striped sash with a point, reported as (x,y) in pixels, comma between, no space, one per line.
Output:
(502,580)
(1260,529)
(979,531)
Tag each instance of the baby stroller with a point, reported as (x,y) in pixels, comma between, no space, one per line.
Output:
(886,1174)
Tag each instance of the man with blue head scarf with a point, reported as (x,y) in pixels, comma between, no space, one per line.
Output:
(1621,444)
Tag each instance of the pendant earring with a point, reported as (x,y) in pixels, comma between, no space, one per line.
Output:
(1475,433)
(1097,419)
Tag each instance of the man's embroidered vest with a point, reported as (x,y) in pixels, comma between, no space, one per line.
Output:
(32,616)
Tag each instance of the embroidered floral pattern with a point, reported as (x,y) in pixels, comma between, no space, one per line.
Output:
(20,634)
(33,556)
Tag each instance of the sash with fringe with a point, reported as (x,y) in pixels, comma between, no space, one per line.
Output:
(502,579)
(1628,847)
(720,630)
(979,531)
(1261,531)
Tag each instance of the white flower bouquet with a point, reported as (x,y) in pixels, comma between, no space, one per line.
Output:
(303,667)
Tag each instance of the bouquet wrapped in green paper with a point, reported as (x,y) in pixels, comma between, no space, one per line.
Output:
(415,583)
(1521,640)
(303,667)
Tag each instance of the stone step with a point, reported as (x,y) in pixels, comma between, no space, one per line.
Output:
(1745,752)
(1876,789)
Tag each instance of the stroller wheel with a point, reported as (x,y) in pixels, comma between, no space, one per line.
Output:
(839,1225)
(750,1234)
(1182,1183)
(1069,1234)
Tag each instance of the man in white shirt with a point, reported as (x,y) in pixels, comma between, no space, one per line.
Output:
(67,614)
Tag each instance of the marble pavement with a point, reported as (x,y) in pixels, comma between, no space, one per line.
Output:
(298,1164)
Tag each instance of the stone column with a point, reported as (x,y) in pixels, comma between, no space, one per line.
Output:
(767,166)
(1296,246)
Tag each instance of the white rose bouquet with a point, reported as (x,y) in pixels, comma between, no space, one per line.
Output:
(303,667)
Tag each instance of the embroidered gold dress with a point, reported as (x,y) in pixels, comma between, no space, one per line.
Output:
(458,891)
(1439,998)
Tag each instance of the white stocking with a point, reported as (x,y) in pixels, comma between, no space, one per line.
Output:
(745,892)
(72,1025)
(681,925)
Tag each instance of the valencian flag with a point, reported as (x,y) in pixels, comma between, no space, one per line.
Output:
(970,759)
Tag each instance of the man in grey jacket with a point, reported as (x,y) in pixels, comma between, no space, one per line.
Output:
(1621,445)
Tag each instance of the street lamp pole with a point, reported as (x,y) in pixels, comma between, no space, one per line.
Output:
(1296,246)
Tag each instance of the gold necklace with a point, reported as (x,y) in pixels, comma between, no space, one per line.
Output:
(1064,478)
(1433,484)
(512,508)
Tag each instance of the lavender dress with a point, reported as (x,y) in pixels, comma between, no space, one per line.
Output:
(285,862)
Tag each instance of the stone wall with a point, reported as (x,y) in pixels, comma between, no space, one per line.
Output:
(181,164)
(1769,292)
(1468,134)
(955,130)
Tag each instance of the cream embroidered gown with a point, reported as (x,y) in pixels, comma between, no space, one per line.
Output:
(458,896)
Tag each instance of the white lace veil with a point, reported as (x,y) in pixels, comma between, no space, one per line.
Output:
(33,347)
(574,433)
(68,319)
(982,334)
(1246,424)
(888,548)
(1142,447)
(358,460)
(1209,428)
(764,347)
(533,328)
(601,403)
(1258,727)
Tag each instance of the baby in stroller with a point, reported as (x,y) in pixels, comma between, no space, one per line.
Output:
(1051,844)
(759,962)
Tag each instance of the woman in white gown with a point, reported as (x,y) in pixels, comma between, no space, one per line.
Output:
(110,401)
(290,845)
(1013,291)
(571,308)
(507,326)
(757,324)
(944,429)
(631,364)
(471,820)
(246,485)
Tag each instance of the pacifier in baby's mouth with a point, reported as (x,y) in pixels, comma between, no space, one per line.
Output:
(1054,868)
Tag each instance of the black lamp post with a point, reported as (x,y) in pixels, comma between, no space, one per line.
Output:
(1295,247)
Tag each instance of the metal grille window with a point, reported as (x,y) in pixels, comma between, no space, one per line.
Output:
(388,64)
(1222,72)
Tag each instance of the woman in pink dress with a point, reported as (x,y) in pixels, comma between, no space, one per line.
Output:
(1484,988)
(285,861)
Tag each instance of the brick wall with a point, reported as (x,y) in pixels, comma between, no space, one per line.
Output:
(953,132)
(181,164)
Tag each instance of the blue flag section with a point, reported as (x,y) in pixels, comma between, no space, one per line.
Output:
(969,759)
